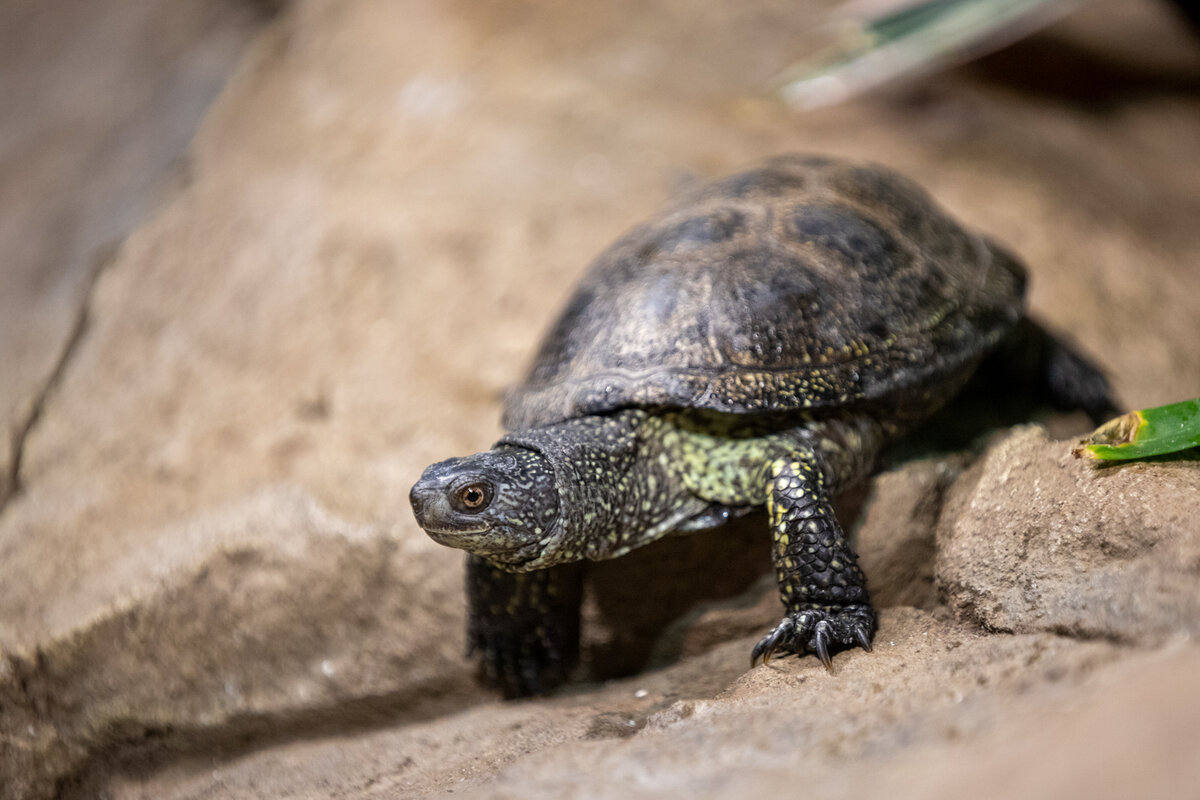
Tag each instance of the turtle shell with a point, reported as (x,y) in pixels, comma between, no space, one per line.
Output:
(807,283)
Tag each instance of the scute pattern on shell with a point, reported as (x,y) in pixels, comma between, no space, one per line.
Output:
(806,283)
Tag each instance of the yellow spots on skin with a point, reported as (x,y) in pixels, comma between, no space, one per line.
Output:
(720,459)
(725,459)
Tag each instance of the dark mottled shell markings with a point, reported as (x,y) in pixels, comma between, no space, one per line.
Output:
(808,283)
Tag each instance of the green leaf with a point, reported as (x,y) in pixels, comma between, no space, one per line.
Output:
(1149,432)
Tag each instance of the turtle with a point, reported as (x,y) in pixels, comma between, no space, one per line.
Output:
(755,344)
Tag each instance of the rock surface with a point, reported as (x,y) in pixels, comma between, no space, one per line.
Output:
(1037,540)
(210,582)
(100,100)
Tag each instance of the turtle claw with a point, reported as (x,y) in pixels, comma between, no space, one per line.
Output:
(771,642)
(820,632)
(820,644)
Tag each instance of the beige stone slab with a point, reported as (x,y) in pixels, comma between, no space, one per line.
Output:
(99,103)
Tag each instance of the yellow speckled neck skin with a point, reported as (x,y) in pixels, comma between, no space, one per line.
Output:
(629,478)
(724,458)
(613,497)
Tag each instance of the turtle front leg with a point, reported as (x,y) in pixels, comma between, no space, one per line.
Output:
(525,625)
(820,583)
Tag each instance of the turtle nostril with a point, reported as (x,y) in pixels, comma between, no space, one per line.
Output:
(418,502)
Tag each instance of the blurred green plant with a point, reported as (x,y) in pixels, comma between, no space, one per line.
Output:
(1149,432)
(871,46)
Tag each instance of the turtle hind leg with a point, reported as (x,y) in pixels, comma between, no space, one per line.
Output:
(1074,382)
(820,583)
(1052,372)
(524,626)
(1029,374)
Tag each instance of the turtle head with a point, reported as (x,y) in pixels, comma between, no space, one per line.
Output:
(501,504)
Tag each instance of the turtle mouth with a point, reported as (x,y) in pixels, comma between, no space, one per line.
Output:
(453,531)
(468,539)
(512,555)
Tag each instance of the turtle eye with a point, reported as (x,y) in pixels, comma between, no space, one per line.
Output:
(473,497)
